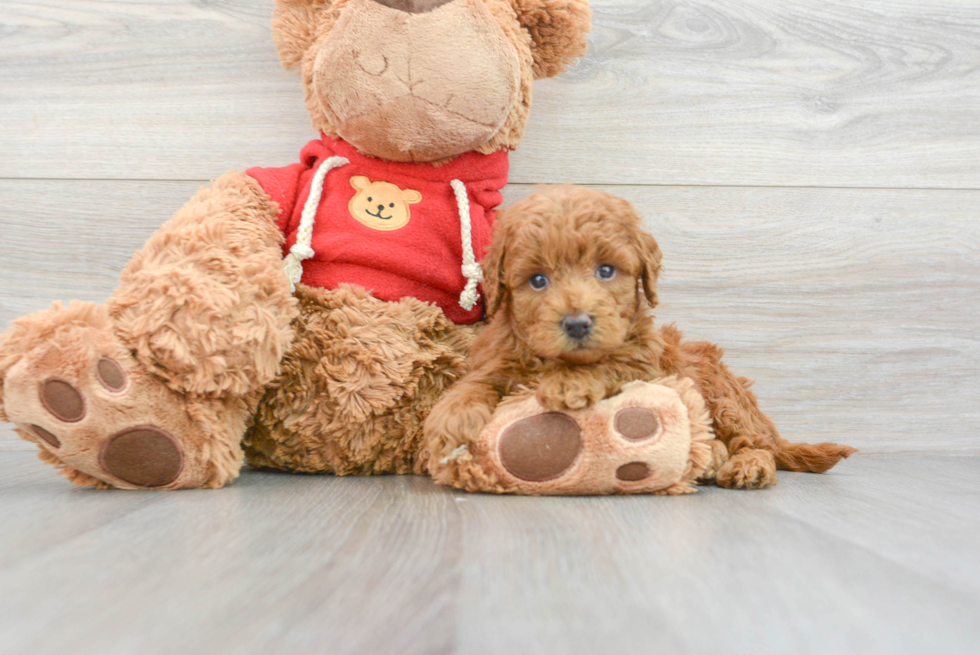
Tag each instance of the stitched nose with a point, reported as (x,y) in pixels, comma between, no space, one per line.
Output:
(380,207)
(413,6)
(577,326)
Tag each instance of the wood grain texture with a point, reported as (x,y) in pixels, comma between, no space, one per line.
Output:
(877,556)
(855,310)
(805,93)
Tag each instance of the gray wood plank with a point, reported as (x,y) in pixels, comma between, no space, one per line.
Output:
(853,309)
(718,572)
(227,563)
(923,506)
(833,563)
(828,93)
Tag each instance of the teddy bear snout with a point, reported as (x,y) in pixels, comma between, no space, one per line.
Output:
(413,6)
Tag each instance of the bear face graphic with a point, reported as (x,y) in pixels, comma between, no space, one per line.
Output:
(381,205)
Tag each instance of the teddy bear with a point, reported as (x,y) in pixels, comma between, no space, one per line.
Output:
(306,317)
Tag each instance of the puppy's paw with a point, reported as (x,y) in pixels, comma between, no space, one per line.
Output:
(450,427)
(562,393)
(749,468)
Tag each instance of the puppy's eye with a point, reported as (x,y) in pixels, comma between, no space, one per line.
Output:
(538,281)
(605,272)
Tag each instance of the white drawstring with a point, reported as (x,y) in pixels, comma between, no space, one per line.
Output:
(471,270)
(302,249)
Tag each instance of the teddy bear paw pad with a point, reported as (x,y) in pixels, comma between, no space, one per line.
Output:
(145,457)
(83,398)
(540,448)
(62,400)
(637,423)
(52,440)
(633,472)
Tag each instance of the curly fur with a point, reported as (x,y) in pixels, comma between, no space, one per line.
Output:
(357,384)
(205,304)
(566,233)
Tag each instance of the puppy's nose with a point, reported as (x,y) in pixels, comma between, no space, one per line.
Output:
(577,326)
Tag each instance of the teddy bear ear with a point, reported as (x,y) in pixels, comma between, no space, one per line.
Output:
(557,28)
(412,196)
(360,182)
(294,28)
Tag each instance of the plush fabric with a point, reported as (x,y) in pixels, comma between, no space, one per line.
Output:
(680,453)
(540,37)
(205,304)
(357,384)
(423,256)
(405,83)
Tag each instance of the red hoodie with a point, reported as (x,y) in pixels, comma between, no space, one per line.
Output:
(391,227)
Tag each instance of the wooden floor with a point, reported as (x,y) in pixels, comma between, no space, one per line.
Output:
(811,170)
(879,556)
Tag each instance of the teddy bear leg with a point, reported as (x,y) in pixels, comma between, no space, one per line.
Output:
(154,389)
(357,385)
(650,438)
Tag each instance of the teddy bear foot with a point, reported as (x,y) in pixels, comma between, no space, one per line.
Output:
(643,440)
(92,409)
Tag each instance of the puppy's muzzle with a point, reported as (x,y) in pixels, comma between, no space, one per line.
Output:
(577,326)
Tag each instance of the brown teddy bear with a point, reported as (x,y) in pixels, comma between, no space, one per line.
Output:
(306,317)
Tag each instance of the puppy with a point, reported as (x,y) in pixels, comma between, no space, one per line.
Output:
(569,281)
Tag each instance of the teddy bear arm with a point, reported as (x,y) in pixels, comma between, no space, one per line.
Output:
(205,304)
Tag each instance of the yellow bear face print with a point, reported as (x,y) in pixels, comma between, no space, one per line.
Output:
(381,205)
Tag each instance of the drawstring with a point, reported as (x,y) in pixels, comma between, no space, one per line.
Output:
(302,249)
(471,270)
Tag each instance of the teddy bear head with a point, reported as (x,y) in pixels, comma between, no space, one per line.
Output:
(381,205)
(426,80)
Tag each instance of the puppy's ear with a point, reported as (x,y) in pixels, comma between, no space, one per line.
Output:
(557,29)
(494,286)
(294,29)
(650,256)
